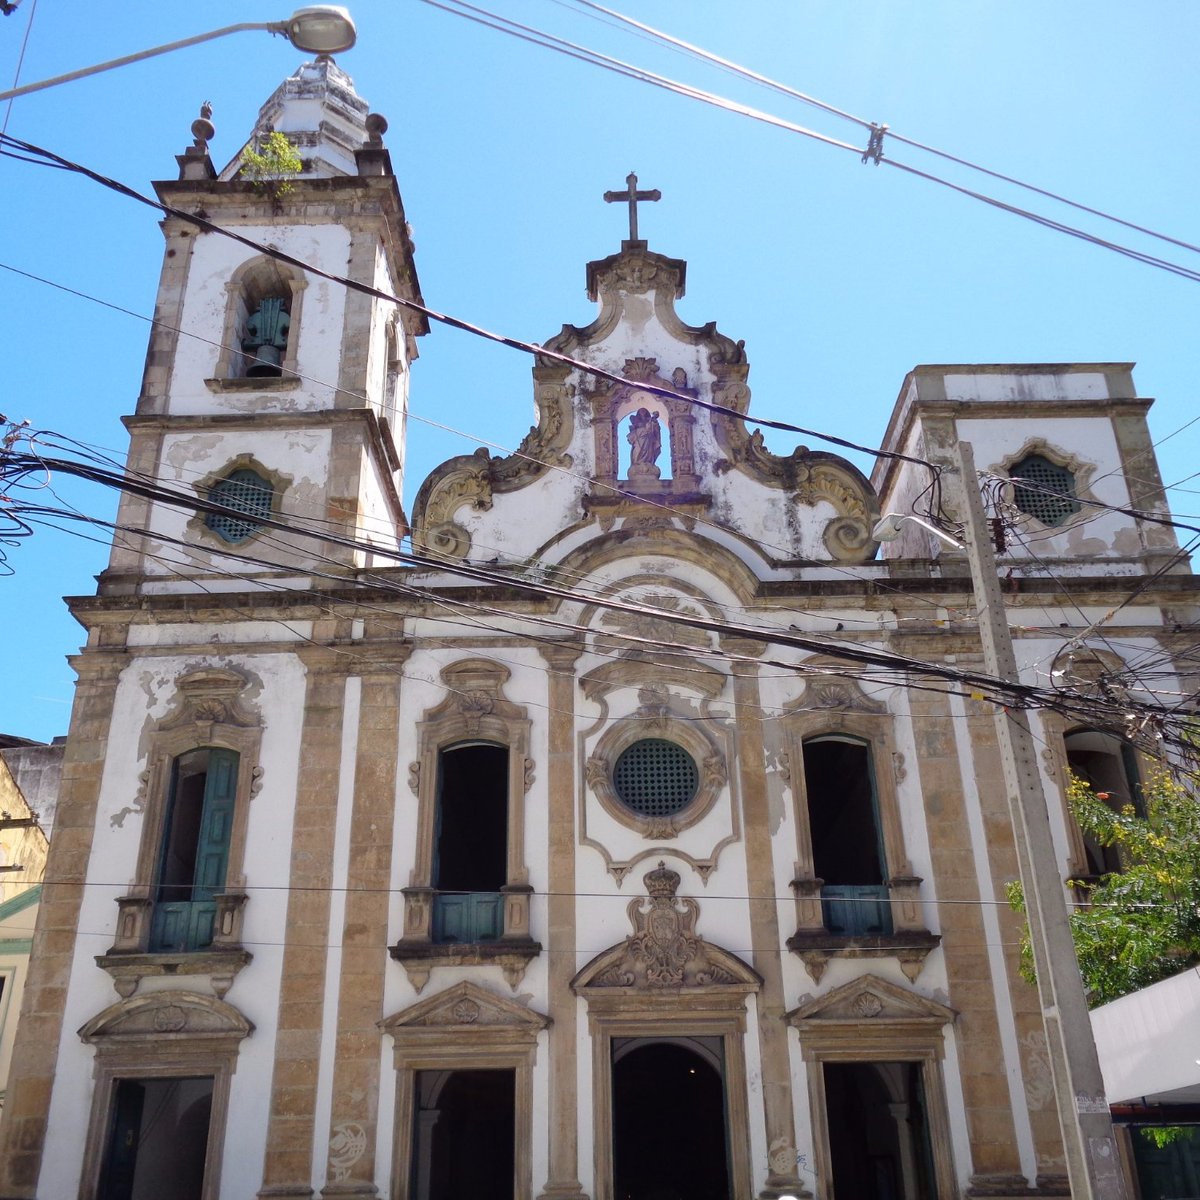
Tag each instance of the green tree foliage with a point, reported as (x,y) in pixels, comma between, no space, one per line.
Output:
(1140,924)
(269,165)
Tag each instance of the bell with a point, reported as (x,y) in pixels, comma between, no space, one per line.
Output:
(266,361)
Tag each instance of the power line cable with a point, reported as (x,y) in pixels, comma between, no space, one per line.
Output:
(873,152)
(892,135)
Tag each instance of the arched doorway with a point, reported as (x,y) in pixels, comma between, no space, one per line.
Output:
(669,1125)
(464,1135)
(878,1131)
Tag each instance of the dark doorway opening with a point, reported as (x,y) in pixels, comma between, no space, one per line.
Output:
(670,1132)
(471,848)
(158,1140)
(465,1134)
(878,1132)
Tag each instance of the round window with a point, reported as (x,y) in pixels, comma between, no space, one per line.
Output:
(655,777)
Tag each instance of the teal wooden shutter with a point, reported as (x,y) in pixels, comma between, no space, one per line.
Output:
(185,922)
(216,824)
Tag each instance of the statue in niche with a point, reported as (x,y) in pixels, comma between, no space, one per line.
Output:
(645,441)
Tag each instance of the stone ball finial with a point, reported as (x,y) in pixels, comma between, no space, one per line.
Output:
(377,126)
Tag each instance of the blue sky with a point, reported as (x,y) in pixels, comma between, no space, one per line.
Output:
(840,277)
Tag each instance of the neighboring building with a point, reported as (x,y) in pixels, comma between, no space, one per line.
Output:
(587,860)
(1149,1047)
(22,867)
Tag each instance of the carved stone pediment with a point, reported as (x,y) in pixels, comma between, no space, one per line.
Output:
(466,1006)
(209,696)
(870,1000)
(647,676)
(664,952)
(833,693)
(167,1015)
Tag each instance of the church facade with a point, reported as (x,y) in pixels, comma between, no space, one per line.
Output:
(595,850)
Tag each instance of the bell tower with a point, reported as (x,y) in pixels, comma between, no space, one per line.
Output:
(275,388)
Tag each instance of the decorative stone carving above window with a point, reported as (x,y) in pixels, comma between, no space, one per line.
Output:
(666,713)
(664,950)
(870,1020)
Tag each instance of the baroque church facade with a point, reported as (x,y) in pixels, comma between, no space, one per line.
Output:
(578,856)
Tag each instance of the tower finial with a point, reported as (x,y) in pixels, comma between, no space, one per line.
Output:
(632,195)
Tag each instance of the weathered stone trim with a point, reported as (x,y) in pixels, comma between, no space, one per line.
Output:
(287,1166)
(464,1028)
(871,1020)
(364,929)
(35,1055)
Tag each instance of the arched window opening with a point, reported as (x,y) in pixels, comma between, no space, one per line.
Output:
(261,321)
(194,855)
(471,843)
(847,843)
(1108,765)
(1043,489)
(246,492)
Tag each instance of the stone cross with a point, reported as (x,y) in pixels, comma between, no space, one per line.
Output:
(632,195)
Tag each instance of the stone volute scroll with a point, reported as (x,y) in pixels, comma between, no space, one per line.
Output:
(664,951)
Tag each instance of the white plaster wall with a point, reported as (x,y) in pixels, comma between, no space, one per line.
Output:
(301,456)
(991,386)
(143,696)
(1095,533)
(213,261)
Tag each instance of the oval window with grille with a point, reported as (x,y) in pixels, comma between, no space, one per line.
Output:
(246,492)
(655,778)
(1043,489)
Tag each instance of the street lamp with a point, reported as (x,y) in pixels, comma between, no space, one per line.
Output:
(317,29)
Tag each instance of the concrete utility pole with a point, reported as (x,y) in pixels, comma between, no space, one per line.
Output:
(1092,1165)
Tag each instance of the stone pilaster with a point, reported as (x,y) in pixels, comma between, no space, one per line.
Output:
(995,1161)
(364,934)
(287,1167)
(563,1108)
(765,940)
(35,1055)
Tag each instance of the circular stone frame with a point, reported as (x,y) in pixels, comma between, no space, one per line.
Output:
(703,751)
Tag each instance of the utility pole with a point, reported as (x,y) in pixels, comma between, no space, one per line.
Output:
(1092,1165)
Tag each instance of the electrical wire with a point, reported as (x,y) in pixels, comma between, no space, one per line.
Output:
(892,135)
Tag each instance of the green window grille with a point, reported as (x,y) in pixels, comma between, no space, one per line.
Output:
(246,492)
(655,777)
(1044,490)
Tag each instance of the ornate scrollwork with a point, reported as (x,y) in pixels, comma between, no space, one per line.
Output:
(664,950)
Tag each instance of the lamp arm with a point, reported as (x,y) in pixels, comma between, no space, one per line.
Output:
(270,26)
